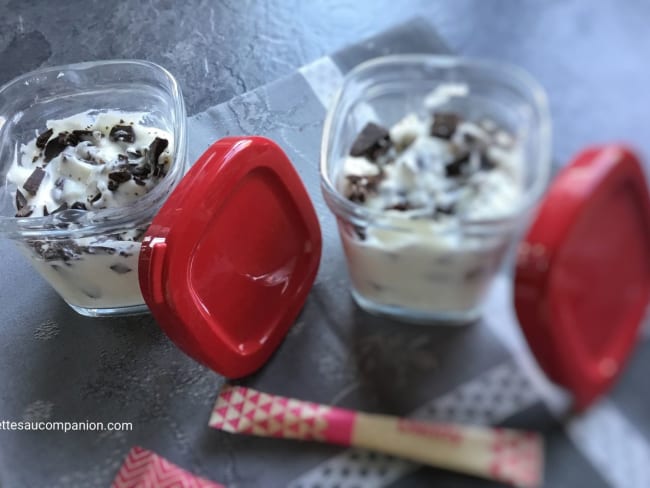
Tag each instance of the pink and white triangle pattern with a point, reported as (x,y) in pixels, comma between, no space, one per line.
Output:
(145,469)
(516,457)
(246,411)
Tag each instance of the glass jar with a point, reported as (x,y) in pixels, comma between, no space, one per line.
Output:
(420,270)
(95,279)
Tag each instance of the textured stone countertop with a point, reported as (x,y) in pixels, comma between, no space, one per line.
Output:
(590,56)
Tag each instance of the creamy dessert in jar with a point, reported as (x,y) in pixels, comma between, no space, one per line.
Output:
(429,181)
(86,163)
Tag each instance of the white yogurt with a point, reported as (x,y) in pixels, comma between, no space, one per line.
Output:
(418,255)
(113,162)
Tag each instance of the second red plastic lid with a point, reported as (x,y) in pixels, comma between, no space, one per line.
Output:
(227,263)
(582,282)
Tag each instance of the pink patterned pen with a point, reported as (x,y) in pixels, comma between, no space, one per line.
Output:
(506,455)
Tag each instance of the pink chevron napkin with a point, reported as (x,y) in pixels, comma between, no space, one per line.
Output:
(506,455)
(145,469)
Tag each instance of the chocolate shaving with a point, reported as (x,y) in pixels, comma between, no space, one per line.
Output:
(83,135)
(59,182)
(34,181)
(124,133)
(134,154)
(140,171)
(120,176)
(360,186)
(372,142)
(45,212)
(457,166)
(120,268)
(56,146)
(96,197)
(78,206)
(139,182)
(25,212)
(156,148)
(21,200)
(446,209)
(401,206)
(61,208)
(444,124)
(487,163)
(63,250)
(42,139)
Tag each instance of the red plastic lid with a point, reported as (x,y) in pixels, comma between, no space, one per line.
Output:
(228,261)
(582,282)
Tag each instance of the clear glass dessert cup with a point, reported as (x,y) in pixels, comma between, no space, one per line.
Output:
(79,272)
(421,271)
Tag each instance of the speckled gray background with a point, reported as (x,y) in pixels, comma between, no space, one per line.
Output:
(54,365)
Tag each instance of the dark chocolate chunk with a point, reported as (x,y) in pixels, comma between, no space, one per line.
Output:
(53,149)
(444,124)
(56,146)
(372,142)
(61,208)
(112,186)
(120,176)
(120,268)
(139,182)
(361,186)
(156,148)
(123,133)
(63,250)
(78,206)
(83,135)
(401,206)
(96,197)
(42,139)
(140,171)
(25,211)
(360,232)
(34,181)
(487,163)
(21,201)
(446,209)
(457,166)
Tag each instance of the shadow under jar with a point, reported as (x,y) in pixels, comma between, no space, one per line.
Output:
(90,256)
(437,269)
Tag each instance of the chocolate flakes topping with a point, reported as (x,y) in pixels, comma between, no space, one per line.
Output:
(124,133)
(34,181)
(42,139)
(116,178)
(156,148)
(458,166)
(21,201)
(444,124)
(360,186)
(120,268)
(372,142)
(56,146)
(78,206)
